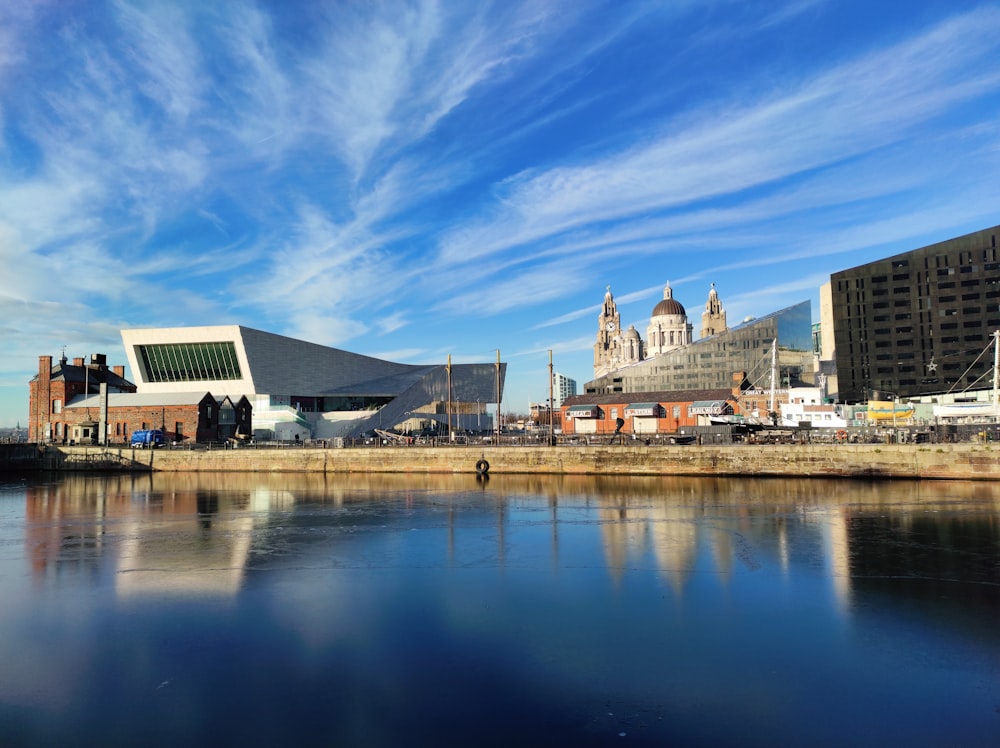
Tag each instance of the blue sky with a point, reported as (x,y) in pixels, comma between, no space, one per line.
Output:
(414,180)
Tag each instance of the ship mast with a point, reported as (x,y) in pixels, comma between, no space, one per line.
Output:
(996,371)
(774,376)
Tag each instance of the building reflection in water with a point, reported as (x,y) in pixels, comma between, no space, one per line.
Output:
(534,610)
(196,534)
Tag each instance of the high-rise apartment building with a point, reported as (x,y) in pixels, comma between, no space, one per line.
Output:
(562,387)
(918,323)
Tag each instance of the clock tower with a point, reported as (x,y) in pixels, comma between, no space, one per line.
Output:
(608,349)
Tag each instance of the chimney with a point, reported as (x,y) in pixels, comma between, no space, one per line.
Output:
(78,361)
(44,367)
(119,370)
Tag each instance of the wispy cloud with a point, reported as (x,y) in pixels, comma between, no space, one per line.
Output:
(851,110)
(468,175)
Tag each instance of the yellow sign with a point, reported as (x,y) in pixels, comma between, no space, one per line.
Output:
(888,410)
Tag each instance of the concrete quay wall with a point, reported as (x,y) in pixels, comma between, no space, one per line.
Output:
(924,461)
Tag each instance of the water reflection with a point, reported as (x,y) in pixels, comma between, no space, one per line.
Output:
(710,610)
(196,533)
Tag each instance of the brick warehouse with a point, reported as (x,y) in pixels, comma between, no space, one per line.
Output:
(644,413)
(66,407)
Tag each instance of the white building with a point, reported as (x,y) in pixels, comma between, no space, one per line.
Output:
(297,387)
(562,387)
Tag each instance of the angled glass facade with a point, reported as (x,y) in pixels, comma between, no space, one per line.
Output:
(190,362)
(711,362)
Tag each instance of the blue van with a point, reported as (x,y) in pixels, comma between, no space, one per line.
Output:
(148,438)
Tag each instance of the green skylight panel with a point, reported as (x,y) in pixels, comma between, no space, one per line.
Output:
(190,362)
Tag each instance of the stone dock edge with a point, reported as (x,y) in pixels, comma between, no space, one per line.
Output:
(962,461)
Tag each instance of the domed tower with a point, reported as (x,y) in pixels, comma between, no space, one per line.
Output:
(668,327)
(633,350)
(713,319)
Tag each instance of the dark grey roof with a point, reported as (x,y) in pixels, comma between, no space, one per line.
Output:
(285,365)
(675,396)
(136,400)
(86,374)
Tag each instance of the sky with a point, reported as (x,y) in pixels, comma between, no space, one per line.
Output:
(418,180)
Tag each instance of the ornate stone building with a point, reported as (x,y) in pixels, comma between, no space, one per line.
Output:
(614,348)
(668,326)
(713,319)
(668,330)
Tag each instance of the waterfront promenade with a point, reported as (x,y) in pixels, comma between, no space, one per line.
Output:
(963,461)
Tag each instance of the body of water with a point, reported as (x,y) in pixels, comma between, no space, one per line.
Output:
(191,610)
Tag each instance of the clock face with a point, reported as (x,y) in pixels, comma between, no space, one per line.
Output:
(611,326)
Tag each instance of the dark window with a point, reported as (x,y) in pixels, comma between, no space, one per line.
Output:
(188,362)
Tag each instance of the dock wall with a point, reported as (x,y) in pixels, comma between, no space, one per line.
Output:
(933,461)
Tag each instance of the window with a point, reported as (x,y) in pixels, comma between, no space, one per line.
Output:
(188,362)
(57,406)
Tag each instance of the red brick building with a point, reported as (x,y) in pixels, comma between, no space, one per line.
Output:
(66,407)
(54,387)
(645,412)
(183,416)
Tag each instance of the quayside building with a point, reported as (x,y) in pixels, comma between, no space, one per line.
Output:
(304,390)
(917,323)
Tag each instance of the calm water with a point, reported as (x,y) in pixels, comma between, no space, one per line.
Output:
(389,610)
